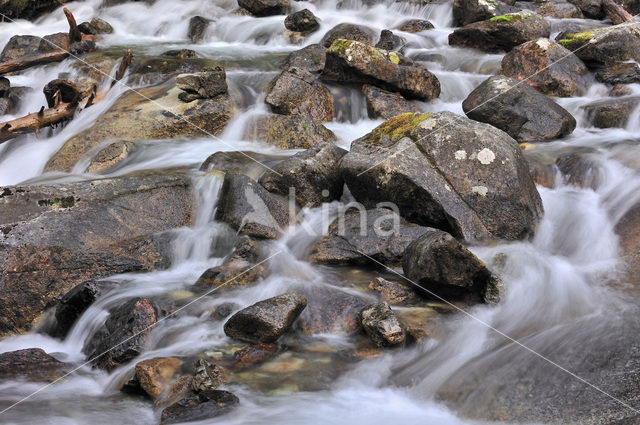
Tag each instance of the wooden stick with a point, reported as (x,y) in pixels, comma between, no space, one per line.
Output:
(616,12)
(74,32)
(124,64)
(28,61)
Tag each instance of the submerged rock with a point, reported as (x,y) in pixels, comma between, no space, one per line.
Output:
(267,320)
(579,169)
(351,61)
(366,238)
(519,110)
(265,7)
(501,33)
(302,21)
(154,375)
(31,364)
(350,32)
(466,12)
(382,326)
(124,334)
(394,293)
(563,74)
(248,207)
(196,407)
(206,376)
(415,26)
(469,179)
(314,174)
(298,92)
(197,28)
(385,104)
(133,117)
(391,42)
(330,311)
(445,268)
(611,113)
(110,156)
(289,131)
(252,164)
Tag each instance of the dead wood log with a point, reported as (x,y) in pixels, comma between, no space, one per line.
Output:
(124,64)
(74,32)
(616,12)
(32,60)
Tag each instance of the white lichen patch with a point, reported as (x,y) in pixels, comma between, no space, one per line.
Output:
(543,43)
(501,83)
(480,190)
(461,154)
(486,156)
(427,124)
(446,186)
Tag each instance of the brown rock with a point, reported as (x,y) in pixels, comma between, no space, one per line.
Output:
(384,104)
(31,364)
(255,354)
(155,374)
(382,325)
(331,311)
(394,293)
(415,25)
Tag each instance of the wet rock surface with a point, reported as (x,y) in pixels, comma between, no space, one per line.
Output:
(452,180)
(565,75)
(619,73)
(267,320)
(265,7)
(204,405)
(613,113)
(302,21)
(124,334)
(373,237)
(155,374)
(314,174)
(205,85)
(445,268)
(522,112)
(248,207)
(385,104)
(604,46)
(73,304)
(415,26)
(469,11)
(350,32)
(290,132)
(331,311)
(382,325)
(501,33)
(297,92)
(311,58)
(31,364)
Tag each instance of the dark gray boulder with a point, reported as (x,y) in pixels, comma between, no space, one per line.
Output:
(207,84)
(391,42)
(415,26)
(604,46)
(445,268)
(197,28)
(619,73)
(519,110)
(204,405)
(448,172)
(311,58)
(590,8)
(314,174)
(249,208)
(501,33)
(611,113)
(73,304)
(368,238)
(558,9)
(384,104)
(302,21)
(267,320)
(265,7)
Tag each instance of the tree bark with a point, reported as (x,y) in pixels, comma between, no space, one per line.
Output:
(616,12)
(32,60)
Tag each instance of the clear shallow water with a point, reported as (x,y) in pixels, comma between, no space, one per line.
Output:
(558,279)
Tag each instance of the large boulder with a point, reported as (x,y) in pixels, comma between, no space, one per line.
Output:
(519,110)
(298,92)
(55,237)
(265,7)
(124,334)
(31,364)
(604,46)
(385,104)
(197,28)
(314,174)
(350,32)
(158,115)
(351,61)
(445,268)
(501,33)
(619,73)
(204,405)
(311,58)
(267,320)
(289,131)
(382,326)
(20,45)
(73,304)
(558,9)
(590,8)
(466,12)
(446,171)
(207,84)
(248,207)
(366,237)
(611,113)
(547,67)
(330,311)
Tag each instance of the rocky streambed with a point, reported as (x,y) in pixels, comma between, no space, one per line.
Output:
(338,212)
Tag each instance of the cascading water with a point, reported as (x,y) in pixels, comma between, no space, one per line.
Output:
(558,283)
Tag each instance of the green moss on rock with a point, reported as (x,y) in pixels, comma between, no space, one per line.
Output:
(576,39)
(506,18)
(397,127)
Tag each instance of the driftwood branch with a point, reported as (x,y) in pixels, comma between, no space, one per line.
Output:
(124,64)
(616,12)
(32,60)
(74,32)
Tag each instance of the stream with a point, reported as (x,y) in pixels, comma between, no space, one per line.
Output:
(563,286)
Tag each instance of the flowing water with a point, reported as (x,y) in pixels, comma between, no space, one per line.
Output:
(557,281)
